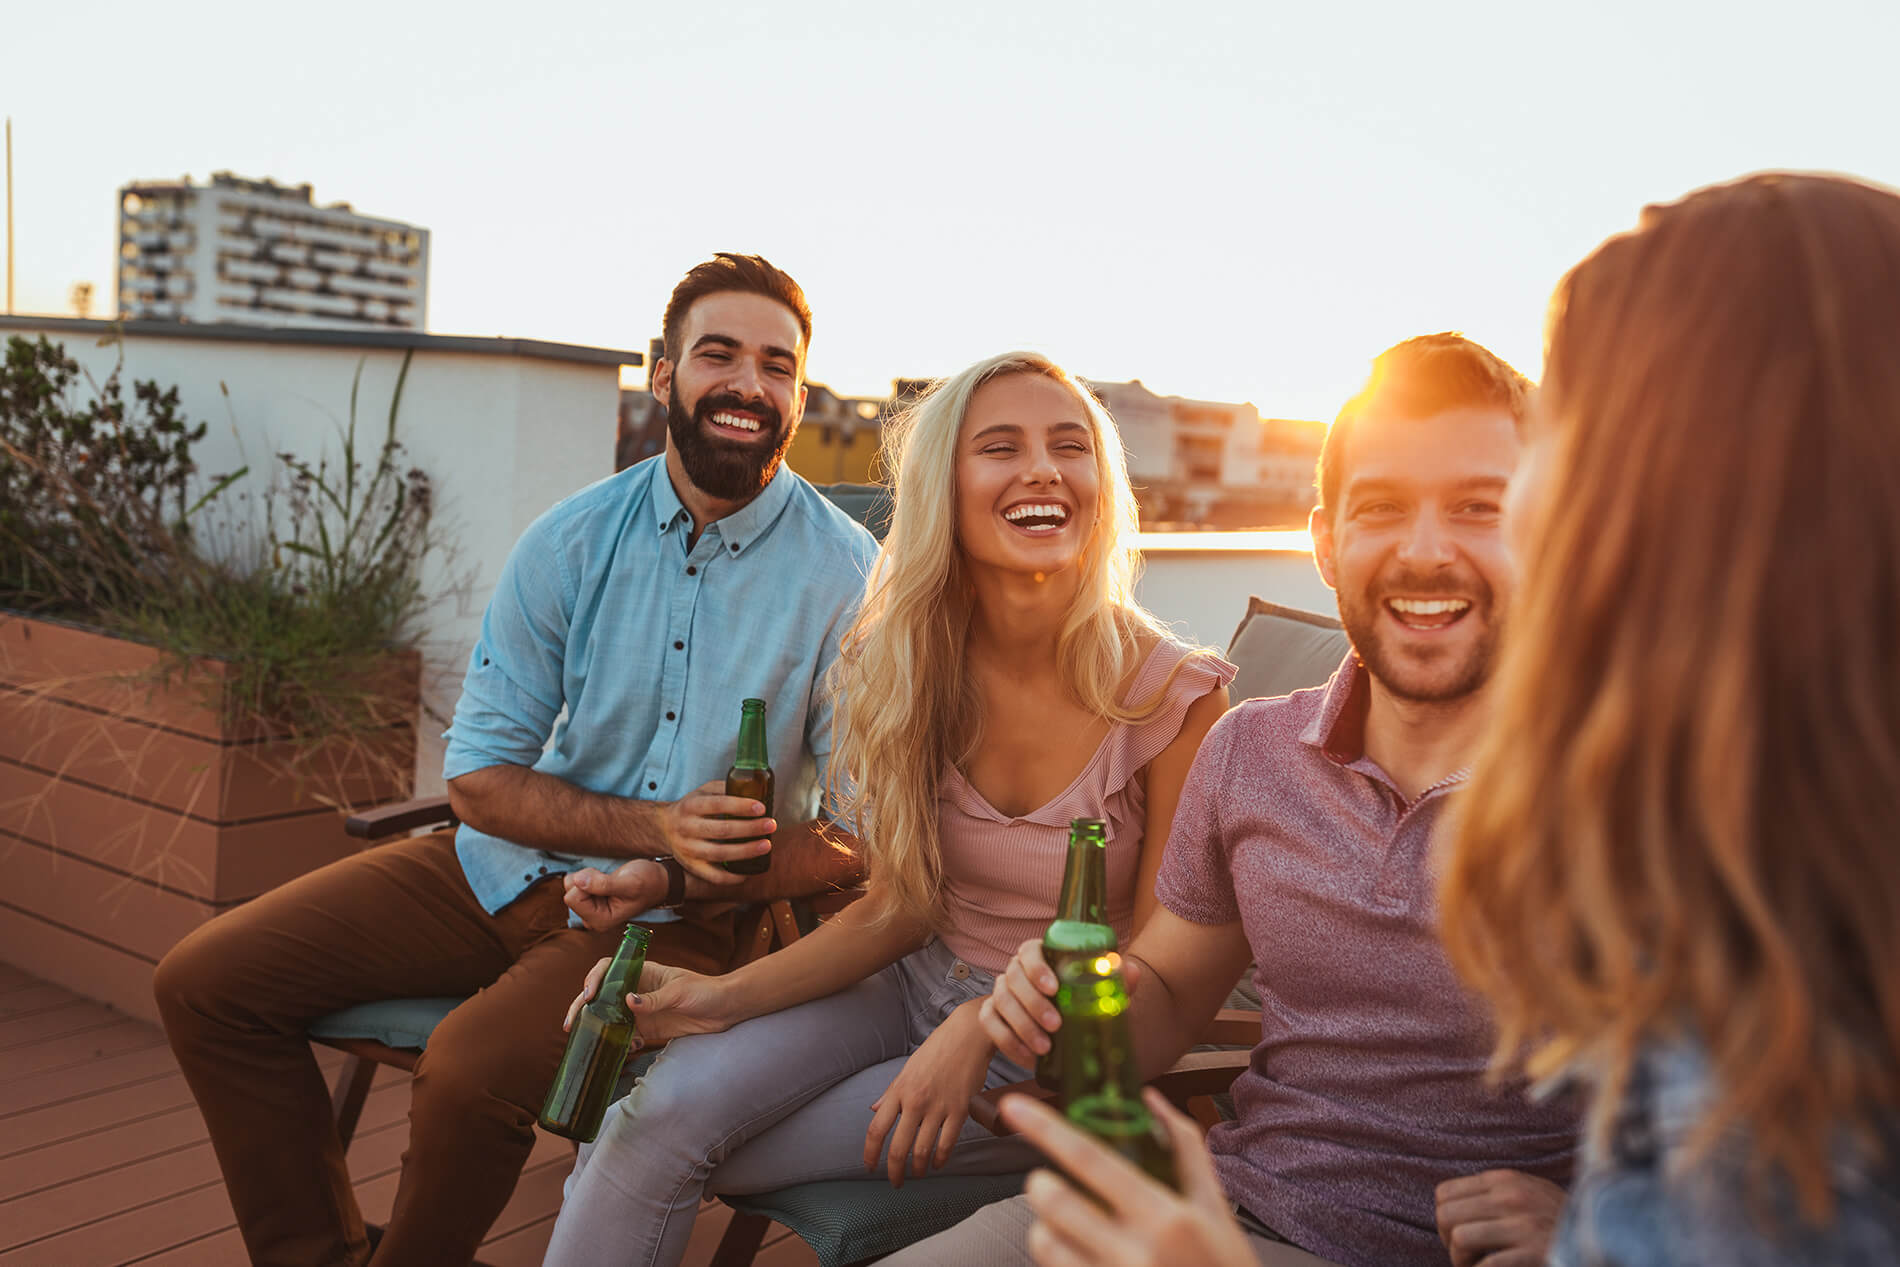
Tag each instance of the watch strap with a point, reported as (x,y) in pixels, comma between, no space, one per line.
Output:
(675,880)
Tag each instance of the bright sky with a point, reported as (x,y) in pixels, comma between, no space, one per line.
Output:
(1236,201)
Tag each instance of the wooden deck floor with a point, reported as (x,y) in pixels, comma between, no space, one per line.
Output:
(104,1159)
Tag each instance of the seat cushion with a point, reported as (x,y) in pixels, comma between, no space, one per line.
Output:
(393,1022)
(849,1220)
(1279,650)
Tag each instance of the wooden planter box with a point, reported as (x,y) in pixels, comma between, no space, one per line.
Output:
(129,815)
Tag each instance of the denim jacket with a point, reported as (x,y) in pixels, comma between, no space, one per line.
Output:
(1635,1206)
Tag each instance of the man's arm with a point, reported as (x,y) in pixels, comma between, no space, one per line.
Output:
(1186,971)
(541,811)
(807,858)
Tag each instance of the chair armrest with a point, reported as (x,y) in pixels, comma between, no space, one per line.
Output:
(1201,1073)
(401,818)
(1232,1027)
(984,1105)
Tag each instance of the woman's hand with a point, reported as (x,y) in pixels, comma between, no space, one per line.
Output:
(672,1002)
(1133,1221)
(930,1097)
(1019,1016)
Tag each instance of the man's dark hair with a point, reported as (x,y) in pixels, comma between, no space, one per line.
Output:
(751,274)
(1423,376)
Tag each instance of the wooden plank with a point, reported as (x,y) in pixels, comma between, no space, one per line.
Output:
(81,964)
(81,1016)
(29,1000)
(214,781)
(223,1247)
(11,978)
(220,864)
(46,658)
(73,1050)
(79,894)
(60,1086)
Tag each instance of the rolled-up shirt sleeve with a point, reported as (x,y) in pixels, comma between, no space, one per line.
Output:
(512,692)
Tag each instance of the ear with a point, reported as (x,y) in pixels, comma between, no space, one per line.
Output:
(1319,526)
(798,410)
(661,383)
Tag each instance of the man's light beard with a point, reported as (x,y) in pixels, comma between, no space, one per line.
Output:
(1399,674)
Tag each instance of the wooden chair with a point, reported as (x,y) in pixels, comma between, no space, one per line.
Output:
(410,1021)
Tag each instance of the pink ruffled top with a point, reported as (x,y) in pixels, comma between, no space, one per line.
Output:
(1002,875)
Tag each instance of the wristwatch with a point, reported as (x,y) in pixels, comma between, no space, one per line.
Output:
(675,881)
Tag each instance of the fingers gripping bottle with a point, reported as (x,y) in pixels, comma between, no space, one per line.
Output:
(597,1047)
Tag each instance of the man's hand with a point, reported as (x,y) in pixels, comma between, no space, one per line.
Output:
(1134,1221)
(1018,1016)
(1498,1218)
(700,827)
(606,901)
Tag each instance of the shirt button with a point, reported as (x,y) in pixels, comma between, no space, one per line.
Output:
(651,786)
(669,717)
(544,870)
(528,878)
(679,646)
(691,570)
(735,547)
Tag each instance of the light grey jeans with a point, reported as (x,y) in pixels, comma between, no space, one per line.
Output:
(780,1099)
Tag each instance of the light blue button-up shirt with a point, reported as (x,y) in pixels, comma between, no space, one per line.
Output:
(649,647)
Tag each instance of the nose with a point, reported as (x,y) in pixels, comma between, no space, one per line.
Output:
(1042,469)
(746,380)
(1426,543)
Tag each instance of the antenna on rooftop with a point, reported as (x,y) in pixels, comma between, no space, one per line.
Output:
(9,215)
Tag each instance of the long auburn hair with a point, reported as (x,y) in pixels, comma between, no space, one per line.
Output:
(906,703)
(1685,821)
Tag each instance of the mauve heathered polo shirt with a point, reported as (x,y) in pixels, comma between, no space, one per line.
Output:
(1367,1087)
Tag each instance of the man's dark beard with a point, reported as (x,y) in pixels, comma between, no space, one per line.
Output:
(729,472)
(1405,678)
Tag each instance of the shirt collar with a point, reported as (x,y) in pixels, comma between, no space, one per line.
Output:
(739,529)
(1339,730)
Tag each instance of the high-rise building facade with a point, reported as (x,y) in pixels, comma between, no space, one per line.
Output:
(260,253)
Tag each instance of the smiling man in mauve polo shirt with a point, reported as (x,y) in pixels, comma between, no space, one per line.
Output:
(597,715)
(1366,1132)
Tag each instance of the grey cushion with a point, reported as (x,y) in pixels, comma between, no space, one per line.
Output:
(1280,650)
(849,1220)
(869,504)
(393,1022)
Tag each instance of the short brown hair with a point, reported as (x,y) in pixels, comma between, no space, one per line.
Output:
(725,271)
(1419,378)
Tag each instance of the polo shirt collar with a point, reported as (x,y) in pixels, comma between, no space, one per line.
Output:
(1339,730)
(739,529)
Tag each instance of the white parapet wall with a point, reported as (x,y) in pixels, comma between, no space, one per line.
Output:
(1199,582)
(504,428)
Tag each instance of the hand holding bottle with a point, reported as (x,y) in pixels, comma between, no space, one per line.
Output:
(1020,1013)
(1120,1215)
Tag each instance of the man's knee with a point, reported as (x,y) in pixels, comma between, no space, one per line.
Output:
(192,980)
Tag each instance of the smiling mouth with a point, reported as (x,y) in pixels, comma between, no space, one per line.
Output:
(1428,614)
(735,424)
(1038,518)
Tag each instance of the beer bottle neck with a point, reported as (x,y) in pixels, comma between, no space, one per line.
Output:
(752,755)
(1084,898)
(623,974)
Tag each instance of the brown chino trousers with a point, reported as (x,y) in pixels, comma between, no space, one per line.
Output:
(396,921)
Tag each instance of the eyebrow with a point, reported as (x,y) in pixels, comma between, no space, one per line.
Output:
(771,350)
(1357,488)
(1016,429)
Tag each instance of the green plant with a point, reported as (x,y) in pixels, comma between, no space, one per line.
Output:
(304,608)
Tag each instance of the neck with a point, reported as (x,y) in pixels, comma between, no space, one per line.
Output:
(701,505)
(1016,619)
(1418,743)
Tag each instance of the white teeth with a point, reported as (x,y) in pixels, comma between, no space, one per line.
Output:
(1015,514)
(735,421)
(1428,607)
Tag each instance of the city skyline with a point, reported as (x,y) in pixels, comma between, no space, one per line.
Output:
(1226,205)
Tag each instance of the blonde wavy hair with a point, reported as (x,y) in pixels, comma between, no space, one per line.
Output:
(1685,822)
(906,704)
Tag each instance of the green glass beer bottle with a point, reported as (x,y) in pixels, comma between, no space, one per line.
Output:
(751,777)
(597,1046)
(1100,1089)
(1081,929)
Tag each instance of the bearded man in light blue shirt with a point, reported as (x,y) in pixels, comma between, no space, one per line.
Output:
(597,718)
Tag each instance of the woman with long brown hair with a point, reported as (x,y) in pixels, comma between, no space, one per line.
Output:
(1677,875)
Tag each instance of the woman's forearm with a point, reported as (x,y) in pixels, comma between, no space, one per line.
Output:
(841,952)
